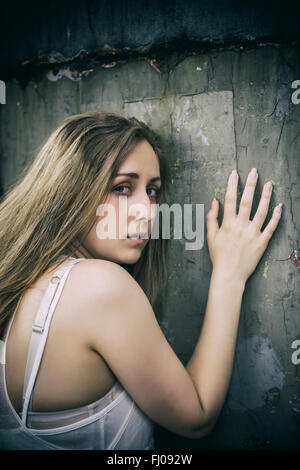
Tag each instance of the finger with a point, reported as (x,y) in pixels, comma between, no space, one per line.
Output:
(263,207)
(247,197)
(212,220)
(230,196)
(272,225)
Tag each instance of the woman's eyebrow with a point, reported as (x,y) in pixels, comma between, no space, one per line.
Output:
(135,175)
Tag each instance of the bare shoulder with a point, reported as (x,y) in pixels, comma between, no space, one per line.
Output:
(102,277)
(101,286)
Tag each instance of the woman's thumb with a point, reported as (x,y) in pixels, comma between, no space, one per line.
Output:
(212,219)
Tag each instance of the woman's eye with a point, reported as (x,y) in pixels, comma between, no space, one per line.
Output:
(157,191)
(119,189)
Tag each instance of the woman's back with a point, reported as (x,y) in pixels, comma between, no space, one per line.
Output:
(58,385)
(71,376)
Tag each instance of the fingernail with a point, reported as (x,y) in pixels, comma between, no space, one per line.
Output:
(253,173)
(279,208)
(234,173)
(268,186)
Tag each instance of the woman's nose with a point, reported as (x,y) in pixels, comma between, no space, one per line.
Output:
(141,206)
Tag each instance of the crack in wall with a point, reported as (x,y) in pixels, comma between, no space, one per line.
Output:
(289,193)
(234,126)
(284,317)
(287,296)
(278,142)
(164,56)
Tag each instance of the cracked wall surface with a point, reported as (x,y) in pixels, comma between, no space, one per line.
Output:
(215,111)
(47,31)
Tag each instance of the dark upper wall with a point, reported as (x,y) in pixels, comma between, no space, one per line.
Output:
(32,30)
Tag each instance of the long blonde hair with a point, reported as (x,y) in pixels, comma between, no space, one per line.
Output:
(48,208)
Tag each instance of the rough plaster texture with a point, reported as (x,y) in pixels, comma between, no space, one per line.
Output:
(216,111)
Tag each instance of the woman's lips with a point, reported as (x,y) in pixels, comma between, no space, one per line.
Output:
(138,241)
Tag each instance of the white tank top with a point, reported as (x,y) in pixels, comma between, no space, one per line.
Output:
(112,422)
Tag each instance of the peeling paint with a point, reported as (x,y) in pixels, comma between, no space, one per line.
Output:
(73,75)
(55,57)
(294,257)
(154,65)
(203,137)
(187,115)
(109,65)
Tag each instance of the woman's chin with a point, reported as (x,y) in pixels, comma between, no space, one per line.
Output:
(130,256)
(130,259)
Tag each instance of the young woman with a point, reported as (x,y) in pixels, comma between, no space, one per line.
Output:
(84,363)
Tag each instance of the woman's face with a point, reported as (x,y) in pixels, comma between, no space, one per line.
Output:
(140,187)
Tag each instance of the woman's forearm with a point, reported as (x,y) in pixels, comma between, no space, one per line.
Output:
(235,248)
(210,366)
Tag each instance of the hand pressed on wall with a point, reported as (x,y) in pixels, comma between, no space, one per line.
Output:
(237,246)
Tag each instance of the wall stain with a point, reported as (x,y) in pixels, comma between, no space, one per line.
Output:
(295,407)
(266,268)
(272,400)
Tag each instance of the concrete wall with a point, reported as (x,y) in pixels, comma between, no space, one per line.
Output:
(217,109)
(31,30)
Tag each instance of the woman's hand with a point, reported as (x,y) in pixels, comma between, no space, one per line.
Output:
(237,246)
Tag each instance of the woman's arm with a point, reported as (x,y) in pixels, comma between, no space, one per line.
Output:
(120,324)
(235,250)
(211,364)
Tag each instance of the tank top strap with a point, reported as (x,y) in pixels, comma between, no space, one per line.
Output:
(40,331)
